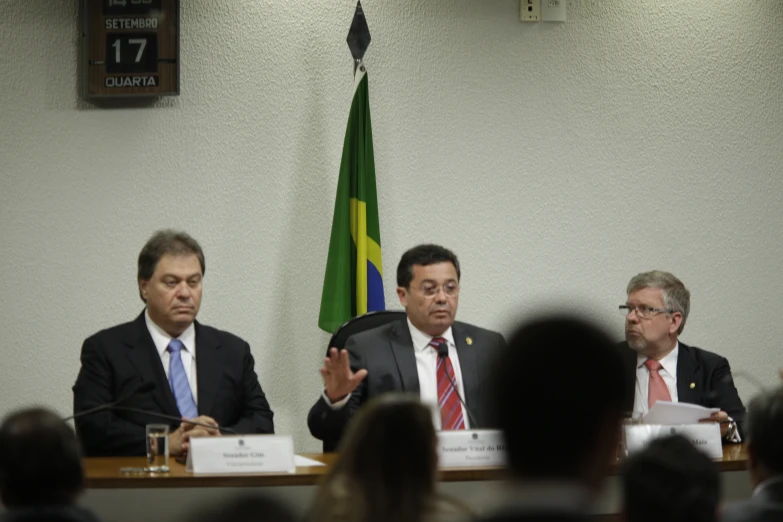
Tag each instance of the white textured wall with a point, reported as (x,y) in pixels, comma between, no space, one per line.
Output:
(556,160)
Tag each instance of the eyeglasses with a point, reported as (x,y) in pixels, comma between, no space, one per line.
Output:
(643,310)
(450,289)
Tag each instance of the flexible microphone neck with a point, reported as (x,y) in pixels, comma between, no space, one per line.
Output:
(173,418)
(443,353)
(143,387)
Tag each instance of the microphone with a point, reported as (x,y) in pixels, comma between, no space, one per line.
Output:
(173,418)
(142,387)
(443,353)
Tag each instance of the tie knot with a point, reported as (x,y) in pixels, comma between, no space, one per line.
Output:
(175,346)
(653,365)
(437,341)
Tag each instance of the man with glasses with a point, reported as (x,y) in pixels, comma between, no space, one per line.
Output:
(660,367)
(428,353)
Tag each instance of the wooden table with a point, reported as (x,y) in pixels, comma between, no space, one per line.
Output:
(128,498)
(104,473)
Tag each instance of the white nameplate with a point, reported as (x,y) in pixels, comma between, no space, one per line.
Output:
(241,454)
(704,436)
(471,448)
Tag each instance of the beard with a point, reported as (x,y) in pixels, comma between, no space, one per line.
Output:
(637,344)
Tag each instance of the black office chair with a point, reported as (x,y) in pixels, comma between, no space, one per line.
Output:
(361,323)
(351,327)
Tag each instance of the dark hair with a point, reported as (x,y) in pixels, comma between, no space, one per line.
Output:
(539,394)
(40,460)
(163,242)
(670,480)
(244,508)
(386,467)
(765,429)
(423,255)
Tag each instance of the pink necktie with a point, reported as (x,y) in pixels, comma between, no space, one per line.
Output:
(658,391)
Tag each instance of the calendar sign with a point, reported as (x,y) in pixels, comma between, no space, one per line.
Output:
(130,47)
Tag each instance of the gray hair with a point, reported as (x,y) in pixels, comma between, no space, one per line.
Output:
(162,242)
(676,297)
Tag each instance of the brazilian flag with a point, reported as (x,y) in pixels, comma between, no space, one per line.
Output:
(353,284)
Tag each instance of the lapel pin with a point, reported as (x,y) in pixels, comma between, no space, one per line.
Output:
(693,385)
(469,340)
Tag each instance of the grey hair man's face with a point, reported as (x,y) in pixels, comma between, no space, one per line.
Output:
(648,334)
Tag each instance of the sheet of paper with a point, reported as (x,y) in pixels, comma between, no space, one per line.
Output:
(665,412)
(301,462)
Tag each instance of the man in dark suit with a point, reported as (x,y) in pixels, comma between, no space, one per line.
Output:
(41,475)
(561,429)
(404,355)
(765,461)
(200,373)
(659,367)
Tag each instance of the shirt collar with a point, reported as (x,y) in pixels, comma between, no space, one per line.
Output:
(162,339)
(669,363)
(421,341)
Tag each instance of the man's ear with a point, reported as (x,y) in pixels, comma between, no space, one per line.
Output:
(676,322)
(143,289)
(402,293)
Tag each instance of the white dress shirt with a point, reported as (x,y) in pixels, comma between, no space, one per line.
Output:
(668,372)
(188,353)
(426,368)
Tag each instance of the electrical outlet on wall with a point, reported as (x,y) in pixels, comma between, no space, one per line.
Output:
(553,10)
(530,10)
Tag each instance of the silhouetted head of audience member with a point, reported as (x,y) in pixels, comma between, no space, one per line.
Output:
(765,436)
(245,508)
(557,393)
(386,467)
(670,480)
(40,460)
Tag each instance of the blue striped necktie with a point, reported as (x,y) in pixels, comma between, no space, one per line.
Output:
(178,381)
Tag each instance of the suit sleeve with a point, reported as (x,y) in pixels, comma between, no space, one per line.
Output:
(727,398)
(327,424)
(256,416)
(102,433)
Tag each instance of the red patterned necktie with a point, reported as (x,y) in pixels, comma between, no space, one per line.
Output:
(657,391)
(450,407)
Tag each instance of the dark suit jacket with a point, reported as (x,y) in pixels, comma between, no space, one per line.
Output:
(387,354)
(116,360)
(766,506)
(713,386)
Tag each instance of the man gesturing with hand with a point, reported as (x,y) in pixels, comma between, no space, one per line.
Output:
(403,355)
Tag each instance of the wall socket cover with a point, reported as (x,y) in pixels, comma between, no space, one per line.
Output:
(530,10)
(553,10)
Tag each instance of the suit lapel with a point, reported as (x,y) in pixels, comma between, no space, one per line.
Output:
(145,358)
(209,368)
(403,352)
(468,367)
(688,369)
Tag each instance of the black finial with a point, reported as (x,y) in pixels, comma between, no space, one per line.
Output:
(359,35)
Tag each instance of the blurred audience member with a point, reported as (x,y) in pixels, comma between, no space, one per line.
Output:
(386,468)
(765,461)
(672,481)
(41,473)
(558,396)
